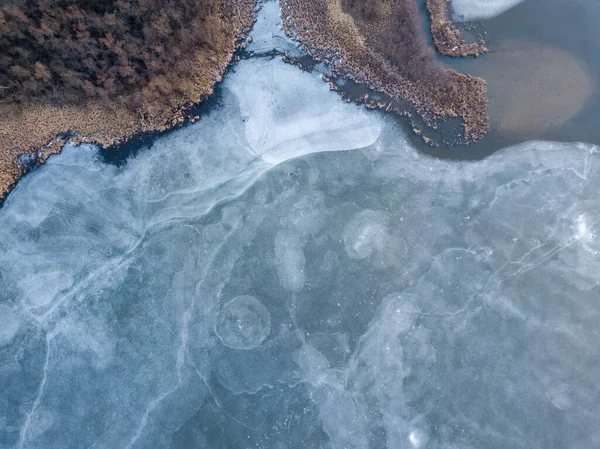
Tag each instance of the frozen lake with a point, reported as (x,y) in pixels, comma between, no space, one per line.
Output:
(289,272)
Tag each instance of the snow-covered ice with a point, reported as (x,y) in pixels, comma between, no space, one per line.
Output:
(481,9)
(268,34)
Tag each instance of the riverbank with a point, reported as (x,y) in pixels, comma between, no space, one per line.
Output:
(447,38)
(30,132)
(383,47)
(362,47)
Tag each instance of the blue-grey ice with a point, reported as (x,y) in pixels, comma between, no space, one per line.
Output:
(268,35)
(9,324)
(288,272)
(243,323)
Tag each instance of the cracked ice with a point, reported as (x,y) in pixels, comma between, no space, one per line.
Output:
(289,272)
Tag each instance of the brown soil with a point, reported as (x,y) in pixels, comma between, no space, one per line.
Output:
(447,38)
(379,43)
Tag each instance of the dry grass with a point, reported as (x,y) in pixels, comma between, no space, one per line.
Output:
(33,129)
(448,39)
(396,62)
(343,27)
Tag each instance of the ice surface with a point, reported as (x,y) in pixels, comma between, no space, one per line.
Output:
(481,9)
(286,119)
(251,282)
(9,325)
(365,233)
(268,34)
(243,323)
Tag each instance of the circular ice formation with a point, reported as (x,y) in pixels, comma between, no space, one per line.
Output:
(481,9)
(9,325)
(243,323)
(419,434)
(365,233)
(579,231)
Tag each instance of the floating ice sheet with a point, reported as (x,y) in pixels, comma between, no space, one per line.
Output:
(268,34)
(248,282)
(465,10)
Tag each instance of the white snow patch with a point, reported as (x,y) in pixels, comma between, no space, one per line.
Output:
(465,10)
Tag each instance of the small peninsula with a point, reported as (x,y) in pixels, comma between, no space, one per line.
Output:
(447,38)
(380,44)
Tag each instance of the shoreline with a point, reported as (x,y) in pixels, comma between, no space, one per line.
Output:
(29,134)
(119,153)
(431,127)
(401,66)
(447,37)
(120,150)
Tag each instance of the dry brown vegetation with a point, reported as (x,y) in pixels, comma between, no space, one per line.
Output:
(394,58)
(106,69)
(448,39)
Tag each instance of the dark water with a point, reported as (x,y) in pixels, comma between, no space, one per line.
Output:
(540,51)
